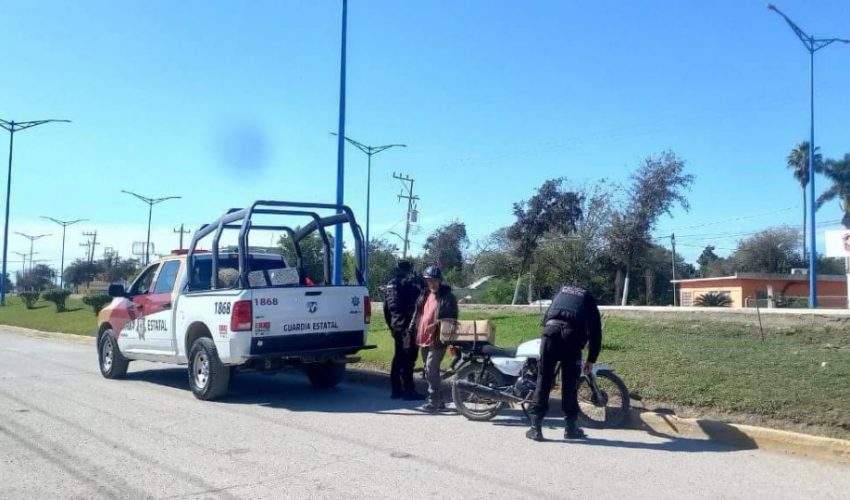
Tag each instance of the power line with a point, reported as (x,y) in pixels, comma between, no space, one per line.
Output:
(732,219)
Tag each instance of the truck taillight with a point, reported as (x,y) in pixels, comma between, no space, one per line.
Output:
(242,316)
(367,310)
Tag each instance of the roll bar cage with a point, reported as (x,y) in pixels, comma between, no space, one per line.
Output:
(240,219)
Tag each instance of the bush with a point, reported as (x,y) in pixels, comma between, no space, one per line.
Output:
(97,302)
(58,297)
(713,299)
(29,298)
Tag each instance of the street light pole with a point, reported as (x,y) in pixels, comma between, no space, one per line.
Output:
(340,152)
(813,45)
(32,241)
(64,224)
(12,127)
(151,202)
(369,151)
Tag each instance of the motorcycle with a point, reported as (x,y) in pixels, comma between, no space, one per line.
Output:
(489,378)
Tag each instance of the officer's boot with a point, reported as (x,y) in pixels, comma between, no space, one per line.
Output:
(536,431)
(572,430)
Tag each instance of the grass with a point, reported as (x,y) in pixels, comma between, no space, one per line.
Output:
(78,319)
(798,378)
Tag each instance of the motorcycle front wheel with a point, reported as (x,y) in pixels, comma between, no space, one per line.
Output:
(609,407)
(477,407)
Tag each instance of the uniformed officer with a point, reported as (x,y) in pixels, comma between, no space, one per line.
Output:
(401,294)
(571,321)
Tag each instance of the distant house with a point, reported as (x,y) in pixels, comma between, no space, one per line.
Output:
(770,290)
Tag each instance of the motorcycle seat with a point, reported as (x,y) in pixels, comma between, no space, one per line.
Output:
(498,352)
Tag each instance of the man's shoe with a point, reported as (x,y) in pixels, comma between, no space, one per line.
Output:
(413,396)
(536,431)
(573,431)
(433,408)
(396,395)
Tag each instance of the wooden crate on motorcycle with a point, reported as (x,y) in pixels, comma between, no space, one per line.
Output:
(481,331)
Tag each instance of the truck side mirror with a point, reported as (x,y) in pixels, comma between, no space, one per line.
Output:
(117,291)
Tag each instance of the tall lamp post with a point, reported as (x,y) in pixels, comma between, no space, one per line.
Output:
(151,202)
(64,224)
(813,45)
(32,241)
(12,127)
(369,151)
(340,152)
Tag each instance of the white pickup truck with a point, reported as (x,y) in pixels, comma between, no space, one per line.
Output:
(220,311)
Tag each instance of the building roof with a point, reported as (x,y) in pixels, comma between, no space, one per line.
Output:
(766,276)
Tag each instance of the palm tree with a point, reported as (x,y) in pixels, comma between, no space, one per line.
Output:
(838,171)
(798,162)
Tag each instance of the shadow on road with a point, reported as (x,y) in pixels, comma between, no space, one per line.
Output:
(289,390)
(363,393)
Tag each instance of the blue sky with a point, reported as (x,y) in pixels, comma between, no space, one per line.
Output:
(225,103)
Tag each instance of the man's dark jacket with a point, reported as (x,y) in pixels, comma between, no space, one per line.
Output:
(399,304)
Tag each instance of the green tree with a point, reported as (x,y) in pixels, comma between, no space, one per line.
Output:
(113,268)
(838,171)
(707,256)
(798,162)
(312,252)
(553,209)
(80,271)
(493,257)
(382,265)
(37,278)
(446,245)
(580,257)
(656,187)
(769,251)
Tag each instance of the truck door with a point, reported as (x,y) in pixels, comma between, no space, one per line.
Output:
(132,333)
(158,309)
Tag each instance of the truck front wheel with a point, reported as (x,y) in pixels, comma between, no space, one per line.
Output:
(208,377)
(112,363)
(325,375)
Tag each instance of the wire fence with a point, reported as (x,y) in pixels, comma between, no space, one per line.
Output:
(795,302)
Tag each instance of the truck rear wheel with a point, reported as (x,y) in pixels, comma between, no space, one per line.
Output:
(325,375)
(112,363)
(208,377)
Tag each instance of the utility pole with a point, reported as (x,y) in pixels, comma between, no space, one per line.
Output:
(151,202)
(90,245)
(23,256)
(64,224)
(32,241)
(12,127)
(673,244)
(812,45)
(407,183)
(182,232)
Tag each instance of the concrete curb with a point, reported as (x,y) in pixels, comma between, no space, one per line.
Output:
(743,436)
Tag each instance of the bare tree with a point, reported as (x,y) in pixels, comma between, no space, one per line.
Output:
(656,187)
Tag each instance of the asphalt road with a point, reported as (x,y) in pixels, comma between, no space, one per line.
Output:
(65,432)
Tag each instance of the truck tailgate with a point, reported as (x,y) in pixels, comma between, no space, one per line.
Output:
(306,319)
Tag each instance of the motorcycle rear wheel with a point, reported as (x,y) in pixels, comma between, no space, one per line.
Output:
(474,406)
(612,411)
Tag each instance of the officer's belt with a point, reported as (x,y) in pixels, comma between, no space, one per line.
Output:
(557,322)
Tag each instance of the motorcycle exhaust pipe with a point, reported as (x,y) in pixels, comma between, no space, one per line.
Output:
(490,392)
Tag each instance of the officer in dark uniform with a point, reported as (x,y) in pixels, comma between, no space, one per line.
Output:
(400,302)
(570,322)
